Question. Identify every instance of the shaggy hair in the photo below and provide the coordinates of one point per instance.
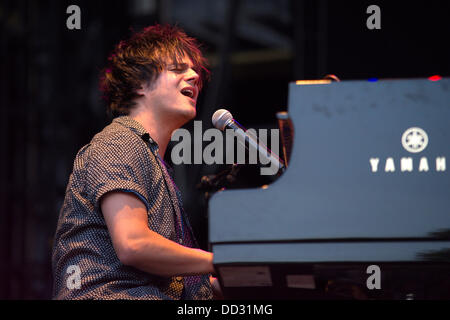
(139, 60)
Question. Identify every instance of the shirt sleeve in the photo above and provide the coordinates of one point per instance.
(119, 164)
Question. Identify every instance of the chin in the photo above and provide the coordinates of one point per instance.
(191, 112)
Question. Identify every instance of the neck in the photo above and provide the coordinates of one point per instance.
(158, 130)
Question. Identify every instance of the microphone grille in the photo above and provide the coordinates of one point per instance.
(220, 118)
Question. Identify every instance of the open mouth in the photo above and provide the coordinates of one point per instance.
(188, 92)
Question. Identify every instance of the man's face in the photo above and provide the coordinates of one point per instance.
(174, 93)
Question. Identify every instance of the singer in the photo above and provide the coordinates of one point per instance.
(122, 232)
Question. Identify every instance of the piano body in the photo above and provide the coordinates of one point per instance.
(363, 209)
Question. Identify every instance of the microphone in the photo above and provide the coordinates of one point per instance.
(222, 119)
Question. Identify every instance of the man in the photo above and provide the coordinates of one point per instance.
(122, 232)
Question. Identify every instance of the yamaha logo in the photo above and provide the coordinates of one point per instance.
(414, 140)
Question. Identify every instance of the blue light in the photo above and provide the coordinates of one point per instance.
(372, 79)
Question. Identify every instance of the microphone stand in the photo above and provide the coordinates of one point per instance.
(214, 182)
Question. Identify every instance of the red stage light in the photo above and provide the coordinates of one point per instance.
(435, 78)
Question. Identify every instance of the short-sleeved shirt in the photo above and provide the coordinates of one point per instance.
(122, 157)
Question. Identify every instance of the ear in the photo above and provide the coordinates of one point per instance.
(142, 90)
(145, 88)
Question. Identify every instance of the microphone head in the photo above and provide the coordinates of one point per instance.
(220, 118)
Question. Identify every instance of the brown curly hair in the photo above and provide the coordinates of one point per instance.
(140, 59)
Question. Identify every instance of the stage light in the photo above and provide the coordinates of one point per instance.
(306, 82)
(435, 78)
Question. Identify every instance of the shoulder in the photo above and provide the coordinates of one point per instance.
(116, 159)
(116, 134)
(115, 146)
(117, 141)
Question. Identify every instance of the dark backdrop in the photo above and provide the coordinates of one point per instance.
(50, 105)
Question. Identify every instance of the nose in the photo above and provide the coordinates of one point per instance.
(192, 77)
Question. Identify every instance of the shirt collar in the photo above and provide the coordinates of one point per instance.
(136, 127)
(139, 129)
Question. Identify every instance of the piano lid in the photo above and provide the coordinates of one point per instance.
(369, 161)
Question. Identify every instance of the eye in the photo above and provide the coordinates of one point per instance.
(178, 68)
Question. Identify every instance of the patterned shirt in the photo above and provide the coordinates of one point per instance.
(122, 157)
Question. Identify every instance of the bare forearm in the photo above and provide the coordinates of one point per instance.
(158, 255)
(138, 246)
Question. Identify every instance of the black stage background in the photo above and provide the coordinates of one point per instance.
(50, 105)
